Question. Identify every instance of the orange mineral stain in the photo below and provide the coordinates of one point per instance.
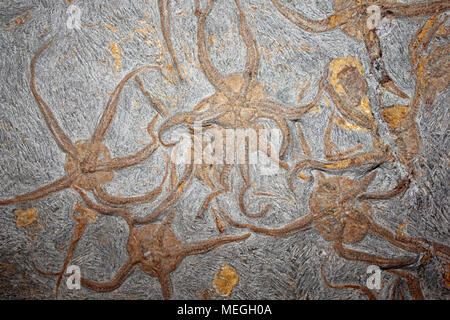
(225, 280)
(400, 229)
(20, 20)
(344, 124)
(110, 27)
(26, 217)
(337, 65)
(116, 52)
(394, 115)
(446, 275)
(86, 213)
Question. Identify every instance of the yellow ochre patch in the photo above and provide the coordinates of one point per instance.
(225, 280)
(25, 217)
(337, 65)
(394, 115)
(116, 52)
(344, 124)
(364, 106)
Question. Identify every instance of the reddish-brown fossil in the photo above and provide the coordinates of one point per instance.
(156, 250)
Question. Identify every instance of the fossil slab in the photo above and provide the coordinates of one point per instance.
(101, 102)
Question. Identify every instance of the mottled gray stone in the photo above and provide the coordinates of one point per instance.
(76, 89)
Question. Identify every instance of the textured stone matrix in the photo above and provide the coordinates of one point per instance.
(98, 98)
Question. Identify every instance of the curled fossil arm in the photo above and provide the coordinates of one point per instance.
(147, 197)
(363, 289)
(298, 225)
(109, 114)
(58, 185)
(316, 26)
(58, 134)
(212, 74)
(424, 8)
(124, 272)
(164, 15)
(170, 199)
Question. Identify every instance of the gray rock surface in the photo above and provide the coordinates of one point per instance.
(77, 73)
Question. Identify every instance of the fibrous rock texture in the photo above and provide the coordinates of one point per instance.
(216, 149)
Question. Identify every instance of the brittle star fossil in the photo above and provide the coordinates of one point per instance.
(430, 80)
(341, 218)
(339, 209)
(88, 163)
(239, 101)
(85, 216)
(352, 17)
(349, 91)
(156, 250)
